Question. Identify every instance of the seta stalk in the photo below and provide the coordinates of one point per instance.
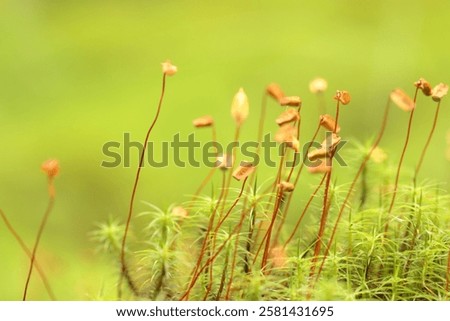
(168, 70)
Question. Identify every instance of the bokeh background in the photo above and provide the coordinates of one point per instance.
(77, 74)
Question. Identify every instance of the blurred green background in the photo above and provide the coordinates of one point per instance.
(76, 74)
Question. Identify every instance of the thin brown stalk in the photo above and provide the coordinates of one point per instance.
(269, 231)
(297, 178)
(311, 285)
(425, 148)
(305, 209)
(399, 167)
(206, 265)
(262, 118)
(219, 225)
(209, 262)
(27, 251)
(212, 170)
(214, 237)
(353, 184)
(283, 213)
(273, 186)
(213, 257)
(233, 263)
(325, 208)
(323, 221)
(277, 180)
(267, 237)
(51, 202)
(124, 268)
(208, 230)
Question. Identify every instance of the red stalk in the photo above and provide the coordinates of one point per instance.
(51, 202)
(397, 176)
(124, 272)
(422, 155)
(352, 186)
(325, 208)
(28, 252)
(211, 259)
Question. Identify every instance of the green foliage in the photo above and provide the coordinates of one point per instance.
(409, 263)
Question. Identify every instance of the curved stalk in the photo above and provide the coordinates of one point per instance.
(124, 268)
(51, 202)
(269, 231)
(29, 254)
(425, 148)
(397, 175)
(212, 258)
(233, 264)
(208, 232)
(305, 209)
(325, 208)
(352, 186)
